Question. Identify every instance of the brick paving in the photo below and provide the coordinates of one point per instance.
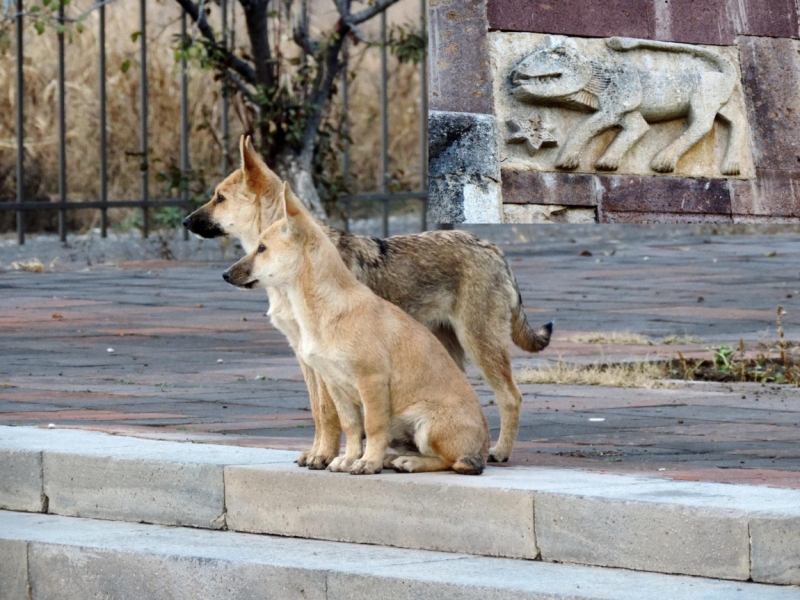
(195, 359)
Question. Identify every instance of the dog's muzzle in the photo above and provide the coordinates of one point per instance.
(199, 224)
(229, 277)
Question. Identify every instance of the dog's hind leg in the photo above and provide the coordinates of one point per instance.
(487, 347)
(418, 464)
(445, 334)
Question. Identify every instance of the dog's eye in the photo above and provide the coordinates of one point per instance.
(262, 248)
(220, 198)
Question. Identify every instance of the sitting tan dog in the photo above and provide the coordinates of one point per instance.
(461, 288)
(371, 355)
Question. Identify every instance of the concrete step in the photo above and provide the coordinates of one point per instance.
(640, 523)
(45, 557)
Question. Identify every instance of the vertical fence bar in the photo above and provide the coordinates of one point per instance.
(304, 25)
(346, 127)
(423, 119)
(62, 131)
(184, 124)
(143, 124)
(384, 125)
(103, 139)
(20, 129)
(226, 142)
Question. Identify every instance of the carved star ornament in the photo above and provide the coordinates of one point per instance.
(531, 132)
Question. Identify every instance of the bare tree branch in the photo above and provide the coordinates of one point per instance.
(368, 13)
(328, 67)
(242, 67)
(303, 39)
(240, 86)
(256, 15)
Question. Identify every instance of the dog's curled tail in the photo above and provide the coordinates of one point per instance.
(469, 465)
(523, 335)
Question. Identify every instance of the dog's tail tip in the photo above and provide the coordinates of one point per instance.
(527, 338)
(469, 465)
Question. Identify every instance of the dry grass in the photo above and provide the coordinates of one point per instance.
(82, 118)
(681, 340)
(624, 338)
(644, 374)
(33, 265)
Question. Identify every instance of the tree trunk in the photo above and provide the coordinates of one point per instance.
(297, 172)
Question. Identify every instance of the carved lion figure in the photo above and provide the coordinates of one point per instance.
(623, 96)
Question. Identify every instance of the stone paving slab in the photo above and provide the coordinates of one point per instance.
(705, 529)
(80, 558)
(169, 324)
(87, 474)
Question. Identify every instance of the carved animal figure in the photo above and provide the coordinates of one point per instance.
(620, 95)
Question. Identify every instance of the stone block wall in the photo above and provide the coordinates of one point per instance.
(615, 111)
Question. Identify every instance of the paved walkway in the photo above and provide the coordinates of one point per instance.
(194, 358)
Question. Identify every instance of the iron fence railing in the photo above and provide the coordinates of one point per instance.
(22, 206)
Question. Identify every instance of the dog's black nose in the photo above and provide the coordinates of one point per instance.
(226, 275)
(187, 221)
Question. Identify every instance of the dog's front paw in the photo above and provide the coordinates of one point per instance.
(336, 464)
(366, 467)
(303, 459)
(319, 462)
(498, 454)
(341, 464)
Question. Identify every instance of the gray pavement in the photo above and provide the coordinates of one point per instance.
(170, 324)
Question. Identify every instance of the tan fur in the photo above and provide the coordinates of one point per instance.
(459, 287)
(371, 355)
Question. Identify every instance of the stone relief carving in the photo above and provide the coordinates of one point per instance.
(608, 94)
(531, 132)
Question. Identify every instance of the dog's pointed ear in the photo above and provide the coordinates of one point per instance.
(253, 168)
(294, 212)
(292, 207)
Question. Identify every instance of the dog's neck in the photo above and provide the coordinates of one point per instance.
(324, 290)
(264, 215)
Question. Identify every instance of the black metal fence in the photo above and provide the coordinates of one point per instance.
(146, 202)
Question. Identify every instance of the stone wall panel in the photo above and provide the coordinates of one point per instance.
(665, 194)
(594, 18)
(632, 165)
(536, 187)
(774, 193)
(771, 78)
(458, 61)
